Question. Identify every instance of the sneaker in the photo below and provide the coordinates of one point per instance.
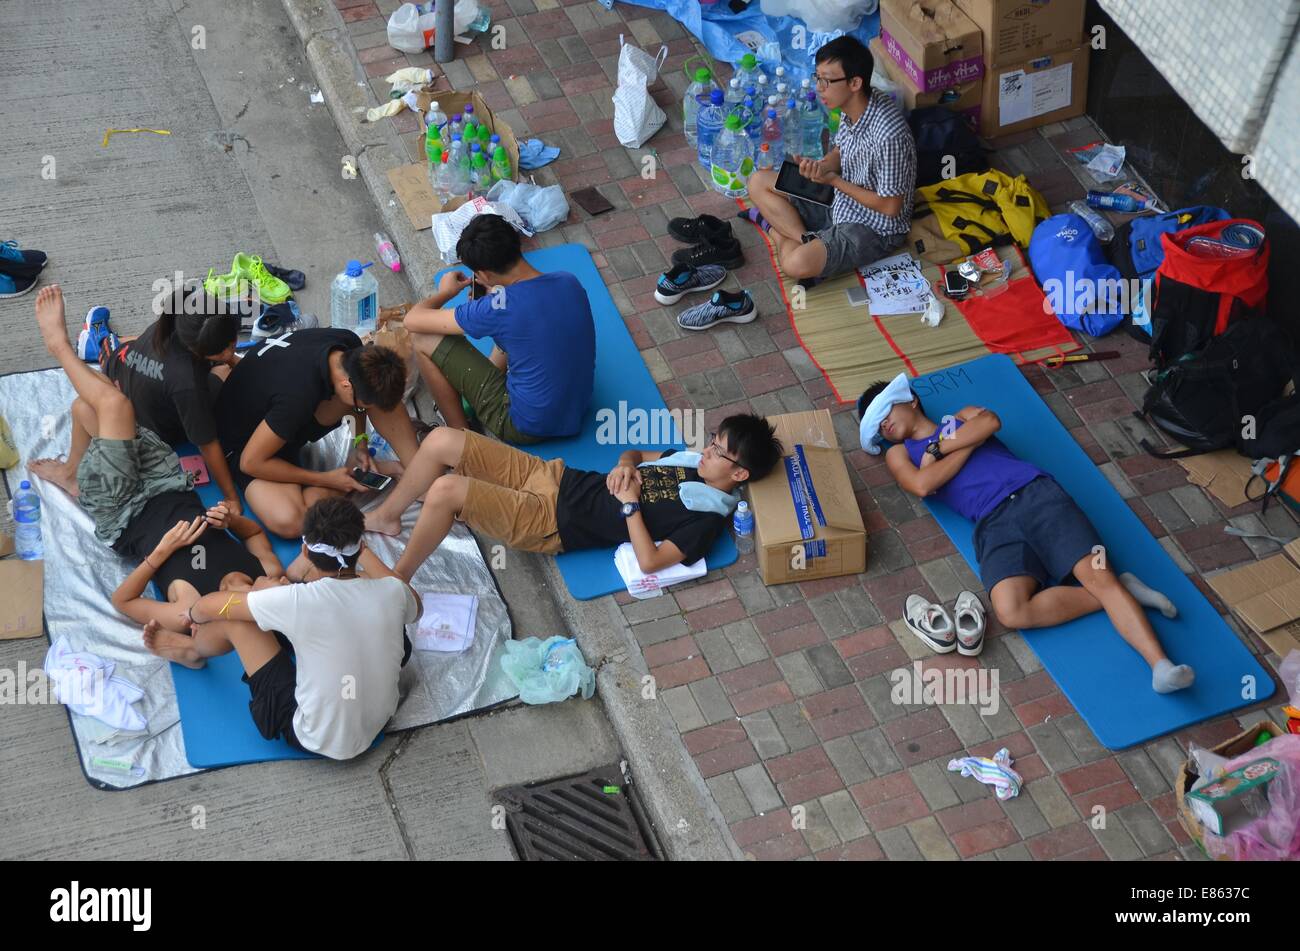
(295, 279)
(968, 615)
(279, 319)
(682, 280)
(226, 287)
(96, 337)
(724, 307)
(270, 288)
(15, 286)
(695, 230)
(17, 263)
(930, 622)
(727, 253)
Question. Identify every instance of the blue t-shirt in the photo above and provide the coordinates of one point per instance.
(545, 326)
(990, 474)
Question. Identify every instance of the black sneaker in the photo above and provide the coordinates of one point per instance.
(295, 279)
(697, 230)
(728, 254)
(20, 264)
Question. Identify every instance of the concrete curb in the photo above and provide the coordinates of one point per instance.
(689, 822)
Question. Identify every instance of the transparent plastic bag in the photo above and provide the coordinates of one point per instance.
(412, 27)
(547, 671)
(540, 207)
(1275, 835)
(636, 115)
(822, 16)
(1290, 674)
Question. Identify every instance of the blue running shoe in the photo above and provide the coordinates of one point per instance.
(683, 279)
(96, 337)
(724, 307)
(19, 264)
(15, 286)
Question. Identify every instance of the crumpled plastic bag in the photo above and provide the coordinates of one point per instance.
(448, 225)
(636, 115)
(541, 207)
(1290, 674)
(823, 16)
(547, 671)
(411, 29)
(1274, 836)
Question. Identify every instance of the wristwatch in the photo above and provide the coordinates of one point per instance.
(629, 508)
(934, 450)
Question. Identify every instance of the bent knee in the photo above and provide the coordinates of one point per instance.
(1011, 614)
(285, 523)
(763, 179)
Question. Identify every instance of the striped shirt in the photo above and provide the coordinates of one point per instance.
(876, 152)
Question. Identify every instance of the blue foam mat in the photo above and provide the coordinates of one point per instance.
(1104, 678)
(621, 376)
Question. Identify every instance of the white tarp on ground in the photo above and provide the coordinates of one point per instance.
(1277, 156)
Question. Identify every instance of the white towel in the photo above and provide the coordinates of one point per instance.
(448, 621)
(85, 683)
(899, 390)
(641, 585)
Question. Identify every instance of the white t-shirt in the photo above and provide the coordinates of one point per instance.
(347, 637)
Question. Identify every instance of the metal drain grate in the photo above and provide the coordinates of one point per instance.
(576, 819)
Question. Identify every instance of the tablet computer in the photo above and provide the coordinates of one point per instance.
(790, 182)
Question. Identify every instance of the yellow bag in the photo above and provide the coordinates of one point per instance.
(8, 451)
(983, 209)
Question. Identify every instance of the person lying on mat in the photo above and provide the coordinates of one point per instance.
(347, 632)
(293, 390)
(166, 373)
(679, 501)
(1030, 537)
(538, 381)
(871, 167)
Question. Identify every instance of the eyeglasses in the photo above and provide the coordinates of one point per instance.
(713, 448)
(823, 82)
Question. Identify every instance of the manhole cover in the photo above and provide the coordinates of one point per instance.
(592, 817)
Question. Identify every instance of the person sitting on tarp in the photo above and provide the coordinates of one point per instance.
(295, 389)
(538, 381)
(1030, 537)
(346, 630)
(679, 501)
(872, 169)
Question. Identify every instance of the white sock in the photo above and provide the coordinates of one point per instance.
(1166, 678)
(1148, 597)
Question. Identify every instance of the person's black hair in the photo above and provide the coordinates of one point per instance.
(855, 59)
(871, 392)
(378, 375)
(338, 523)
(489, 243)
(752, 440)
(198, 320)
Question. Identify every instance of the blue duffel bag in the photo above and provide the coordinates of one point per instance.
(1086, 292)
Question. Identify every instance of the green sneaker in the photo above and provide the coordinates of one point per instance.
(225, 286)
(270, 289)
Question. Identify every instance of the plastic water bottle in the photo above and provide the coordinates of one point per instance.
(751, 118)
(743, 525)
(792, 128)
(709, 124)
(1114, 202)
(763, 87)
(1096, 221)
(480, 176)
(475, 153)
(773, 136)
(432, 143)
(353, 299)
(501, 171)
(379, 448)
(696, 95)
(436, 118)
(459, 153)
(494, 141)
(468, 114)
(764, 158)
(747, 70)
(482, 21)
(387, 253)
(459, 179)
(455, 127)
(735, 95)
(813, 122)
(27, 516)
(778, 77)
(833, 123)
(442, 176)
(733, 160)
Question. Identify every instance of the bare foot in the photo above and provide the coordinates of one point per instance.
(381, 525)
(50, 318)
(172, 646)
(57, 472)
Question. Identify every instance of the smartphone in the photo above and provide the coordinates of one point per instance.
(372, 480)
(477, 290)
(955, 285)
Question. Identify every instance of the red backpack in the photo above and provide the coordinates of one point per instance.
(1212, 275)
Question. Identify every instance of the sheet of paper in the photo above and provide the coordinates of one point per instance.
(1013, 97)
(1050, 89)
(895, 285)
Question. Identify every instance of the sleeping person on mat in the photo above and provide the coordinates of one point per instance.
(1030, 538)
(679, 500)
(346, 630)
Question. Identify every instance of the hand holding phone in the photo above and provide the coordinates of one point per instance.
(374, 481)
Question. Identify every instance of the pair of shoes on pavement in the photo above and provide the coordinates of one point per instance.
(19, 269)
(724, 307)
(963, 632)
(247, 270)
(711, 240)
(97, 341)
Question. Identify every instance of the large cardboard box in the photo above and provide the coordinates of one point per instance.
(807, 523)
(935, 43)
(1017, 30)
(1033, 93)
(411, 182)
(1239, 744)
(963, 98)
(22, 590)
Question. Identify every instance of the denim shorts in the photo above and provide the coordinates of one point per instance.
(848, 245)
(1036, 531)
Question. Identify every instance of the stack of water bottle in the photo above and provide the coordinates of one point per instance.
(753, 122)
(465, 157)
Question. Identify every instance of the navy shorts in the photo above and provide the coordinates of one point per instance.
(1036, 531)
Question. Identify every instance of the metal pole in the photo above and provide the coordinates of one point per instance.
(444, 47)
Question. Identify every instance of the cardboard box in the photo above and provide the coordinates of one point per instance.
(1017, 30)
(1239, 744)
(964, 97)
(1266, 595)
(1035, 92)
(807, 523)
(934, 43)
(22, 591)
(411, 182)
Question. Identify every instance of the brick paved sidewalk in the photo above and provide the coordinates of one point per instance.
(781, 694)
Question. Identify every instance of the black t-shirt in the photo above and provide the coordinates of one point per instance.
(282, 381)
(589, 517)
(222, 553)
(170, 393)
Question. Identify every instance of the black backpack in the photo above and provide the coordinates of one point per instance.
(1203, 399)
(1276, 429)
(940, 132)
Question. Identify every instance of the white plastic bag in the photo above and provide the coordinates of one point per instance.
(823, 16)
(448, 225)
(411, 28)
(636, 115)
(542, 208)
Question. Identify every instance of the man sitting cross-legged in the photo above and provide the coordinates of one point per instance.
(347, 630)
(1030, 537)
(680, 500)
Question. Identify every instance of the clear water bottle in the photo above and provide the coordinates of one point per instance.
(354, 297)
(379, 448)
(27, 518)
(1096, 220)
(482, 21)
(733, 160)
(709, 124)
(501, 165)
(1114, 202)
(468, 114)
(696, 95)
(387, 253)
(763, 86)
(459, 179)
(475, 153)
(432, 143)
(493, 143)
(748, 70)
(751, 117)
(792, 128)
(480, 176)
(764, 158)
(436, 118)
(735, 95)
(813, 123)
(742, 523)
(456, 126)
(459, 152)
(442, 177)
(773, 137)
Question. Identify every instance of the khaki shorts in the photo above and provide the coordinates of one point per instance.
(483, 385)
(117, 477)
(512, 495)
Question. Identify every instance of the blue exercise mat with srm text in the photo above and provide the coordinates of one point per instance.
(623, 390)
(1103, 677)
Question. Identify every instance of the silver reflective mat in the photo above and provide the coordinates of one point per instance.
(81, 575)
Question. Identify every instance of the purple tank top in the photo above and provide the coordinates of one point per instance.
(990, 474)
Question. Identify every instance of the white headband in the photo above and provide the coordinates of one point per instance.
(341, 554)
